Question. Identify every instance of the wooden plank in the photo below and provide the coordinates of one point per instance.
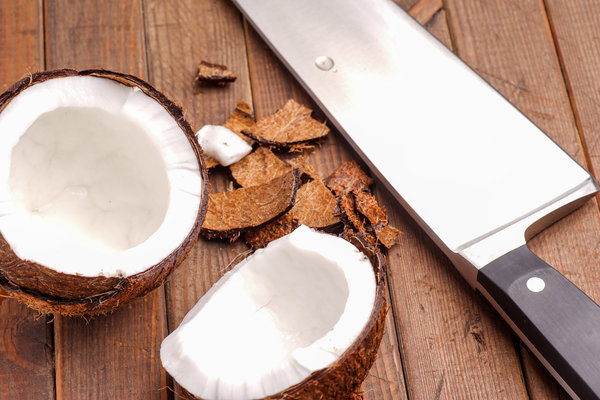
(576, 33)
(511, 46)
(114, 356)
(272, 85)
(26, 340)
(92, 35)
(180, 34)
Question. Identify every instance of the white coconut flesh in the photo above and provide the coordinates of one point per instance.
(222, 144)
(284, 312)
(96, 177)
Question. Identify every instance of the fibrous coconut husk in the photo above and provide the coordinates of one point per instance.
(348, 177)
(315, 205)
(359, 210)
(214, 74)
(49, 291)
(258, 167)
(261, 237)
(229, 213)
(343, 378)
(242, 118)
(305, 167)
(291, 127)
(367, 205)
(354, 227)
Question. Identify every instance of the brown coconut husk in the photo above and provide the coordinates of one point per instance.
(291, 127)
(230, 213)
(348, 177)
(261, 237)
(214, 74)
(258, 167)
(342, 379)
(49, 291)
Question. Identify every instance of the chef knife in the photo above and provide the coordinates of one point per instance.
(472, 170)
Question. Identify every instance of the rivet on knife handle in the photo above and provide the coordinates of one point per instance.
(556, 320)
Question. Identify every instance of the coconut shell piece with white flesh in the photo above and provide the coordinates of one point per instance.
(241, 118)
(102, 190)
(299, 319)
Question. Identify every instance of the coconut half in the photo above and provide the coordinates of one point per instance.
(299, 319)
(102, 190)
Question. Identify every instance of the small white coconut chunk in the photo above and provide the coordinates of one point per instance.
(222, 144)
(286, 311)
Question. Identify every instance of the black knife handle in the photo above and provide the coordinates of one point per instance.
(560, 323)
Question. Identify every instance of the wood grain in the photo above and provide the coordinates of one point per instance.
(114, 356)
(180, 34)
(26, 340)
(105, 35)
(511, 46)
(576, 34)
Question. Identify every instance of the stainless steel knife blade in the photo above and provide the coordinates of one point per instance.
(468, 166)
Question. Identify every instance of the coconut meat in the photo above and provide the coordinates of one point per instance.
(96, 177)
(222, 144)
(286, 311)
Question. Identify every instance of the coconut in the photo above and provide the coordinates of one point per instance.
(299, 319)
(102, 190)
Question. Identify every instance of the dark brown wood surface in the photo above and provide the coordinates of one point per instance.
(442, 340)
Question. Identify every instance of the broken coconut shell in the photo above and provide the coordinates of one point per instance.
(242, 118)
(291, 127)
(342, 379)
(348, 177)
(228, 213)
(353, 224)
(50, 291)
(315, 205)
(359, 210)
(214, 74)
(367, 205)
(260, 237)
(258, 167)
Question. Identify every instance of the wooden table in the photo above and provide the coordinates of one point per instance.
(442, 341)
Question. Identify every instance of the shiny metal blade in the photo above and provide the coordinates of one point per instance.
(472, 169)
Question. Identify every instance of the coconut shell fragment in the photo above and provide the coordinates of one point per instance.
(291, 127)
(229, 213)
(348, 177)
(214, 74)
(367, 205)
(258, 167)
(261, 237)
(242, 118)
(359, 210)
(315, 205)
